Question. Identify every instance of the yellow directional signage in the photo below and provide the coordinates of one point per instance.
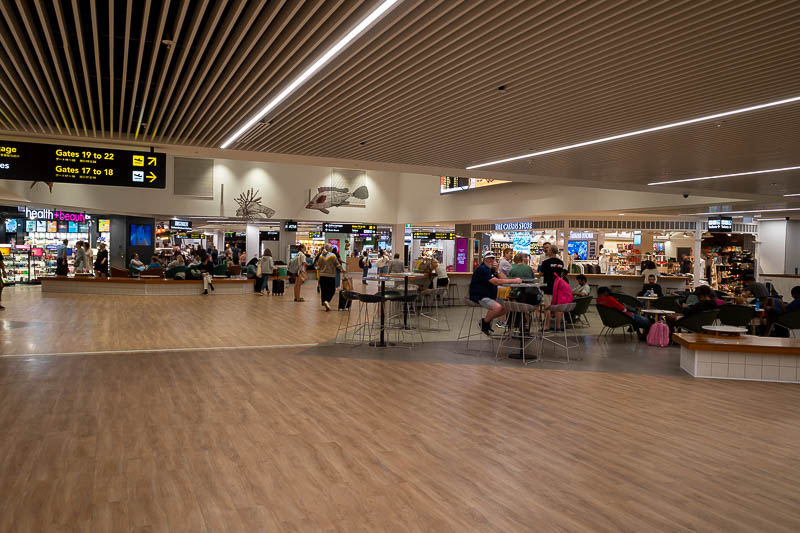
(74, 164)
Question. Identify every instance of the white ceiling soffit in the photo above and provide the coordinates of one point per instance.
(420, 87)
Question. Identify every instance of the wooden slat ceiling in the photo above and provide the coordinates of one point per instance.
(421, 86)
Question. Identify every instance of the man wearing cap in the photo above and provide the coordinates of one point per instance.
(483, 290)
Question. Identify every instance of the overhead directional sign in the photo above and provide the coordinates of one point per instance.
(61, 163)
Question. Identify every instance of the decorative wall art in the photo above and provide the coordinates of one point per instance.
(250, 206)
(348, 188)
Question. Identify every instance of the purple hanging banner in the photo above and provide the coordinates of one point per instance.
(461, 255)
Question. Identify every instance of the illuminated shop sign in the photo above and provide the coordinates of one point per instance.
(513, 226)
(180, 225)
(54, 214)
(722, 224)
(290, 225)
(581, 235)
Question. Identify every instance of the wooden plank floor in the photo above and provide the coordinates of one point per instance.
(278, 440)
(271, 440)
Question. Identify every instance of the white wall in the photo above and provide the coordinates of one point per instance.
(792, 248)
(772, 247)
(282, 187)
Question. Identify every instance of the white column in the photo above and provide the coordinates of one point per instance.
(698, 239)
(252, 241)
(398, 239)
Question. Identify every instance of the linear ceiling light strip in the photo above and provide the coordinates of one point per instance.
(640, 132)
(327, 56)
(727, 175)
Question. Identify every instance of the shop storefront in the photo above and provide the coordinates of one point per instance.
(31, 236)
(439, 245)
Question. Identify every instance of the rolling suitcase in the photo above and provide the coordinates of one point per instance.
(277, 286)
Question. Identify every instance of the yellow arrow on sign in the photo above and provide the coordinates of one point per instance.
(152, 177)
(151, 161)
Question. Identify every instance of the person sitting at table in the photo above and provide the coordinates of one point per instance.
(583, 288)
(756, 289)
(705, 302)
(651, 285)
(520, 269)
(794, 305)
(439, 272)
(136, 264)
(641, 323)
(178, 261)
(396, 265)
(154, 262)
(561, 297)
(483, 290)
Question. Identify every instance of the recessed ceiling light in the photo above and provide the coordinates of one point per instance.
(793, 194)
(327, 56)
(728, 175)
(640, 132)
(622, 214)
(767, 219)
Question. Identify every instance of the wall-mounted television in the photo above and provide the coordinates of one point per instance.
(579, 247)
(141, 235)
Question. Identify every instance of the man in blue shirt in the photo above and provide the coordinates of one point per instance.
(62, 268)
(794, 305)
(483, 290)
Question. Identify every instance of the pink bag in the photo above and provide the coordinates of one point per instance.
(658, 335)
(562, 294)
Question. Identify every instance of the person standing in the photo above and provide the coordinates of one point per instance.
(301, 274)
(88, 257)
(101, 263)
(382, 263)
(234, 254)
(80, 258)
(328, 265)
(549, 269)
(365, 265)
(62, 269)
(267, 264)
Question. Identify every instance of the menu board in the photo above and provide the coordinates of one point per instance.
(61, 163)
(103, 225)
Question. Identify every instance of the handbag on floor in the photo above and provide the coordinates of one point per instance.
(658, 335)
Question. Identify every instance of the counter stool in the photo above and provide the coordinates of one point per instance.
(367, 317)
(453, 294)
(344, 319)
(395, 321)
(555, 337)
(517, 314)
(469, 315)
(429, 301)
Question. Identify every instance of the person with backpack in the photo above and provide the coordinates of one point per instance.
(297, 267)
(328, 265)
(364, 264)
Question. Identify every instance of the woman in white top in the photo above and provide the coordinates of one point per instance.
(439, 274)
(88, 256)
(267, 266)
(649, 269)
(382, 263)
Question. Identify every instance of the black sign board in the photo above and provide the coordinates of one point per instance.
(720, 225)
(61, 163)
(349, 228)
(270, 235)
(438, 235)
(180, 225)
(314, 234)
(290, 225)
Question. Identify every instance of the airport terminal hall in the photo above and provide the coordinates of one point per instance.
(414, 266)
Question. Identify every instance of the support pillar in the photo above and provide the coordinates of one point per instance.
(698, 239)
(252, 243)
